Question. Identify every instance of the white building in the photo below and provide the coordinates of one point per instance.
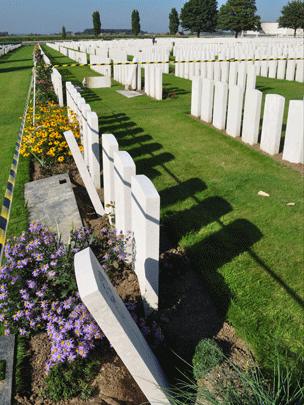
(272, 28)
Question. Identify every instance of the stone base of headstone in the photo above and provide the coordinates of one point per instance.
(129, 93)
(7, 353)
(52, 202)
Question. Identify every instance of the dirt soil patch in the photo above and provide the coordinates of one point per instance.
(186, 315)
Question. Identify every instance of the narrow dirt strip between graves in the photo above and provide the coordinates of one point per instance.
(9, 192)
(173, 62)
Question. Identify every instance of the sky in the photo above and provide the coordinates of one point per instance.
(48, 16)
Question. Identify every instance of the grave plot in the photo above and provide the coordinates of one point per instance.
(169, 186)
(50, 202)
(210, 205)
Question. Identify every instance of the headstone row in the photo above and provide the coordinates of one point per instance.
(237, 110)
(4, 49)
(89, 129)
(135, 204)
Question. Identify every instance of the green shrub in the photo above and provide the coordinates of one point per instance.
(71, 379)
(249, 387)
(207, 356)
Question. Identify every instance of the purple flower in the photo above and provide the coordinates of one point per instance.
(31, 284)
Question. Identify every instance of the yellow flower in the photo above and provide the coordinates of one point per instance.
(60, 159)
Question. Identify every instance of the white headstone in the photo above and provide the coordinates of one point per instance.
(158, 84)
(207, 100)
(242, 72)
(124, 170)
(251, 77)
(235, 109)
(94, 149)
(300, 71)
(196, 96)
(281, 72)
(252, 116)
(294, 138)
(85, 175)
(145, 227)
(272, 123)
(291, 69)
(233, 74)
(220, 105)
(113, 318)
(109, 147)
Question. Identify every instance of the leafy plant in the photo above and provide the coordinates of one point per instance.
(135, 22)
(247, 387)
(238, 16)
(207, 356)
(293, 15)
(199, 16)
(70, 380)
(173, 21)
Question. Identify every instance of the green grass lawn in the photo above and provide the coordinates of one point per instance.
(15, 73)
(248, 249)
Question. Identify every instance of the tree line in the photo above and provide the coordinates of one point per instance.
(199, 16)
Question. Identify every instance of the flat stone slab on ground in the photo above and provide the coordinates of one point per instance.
(129, 93)
(52, 202)
(7, 353)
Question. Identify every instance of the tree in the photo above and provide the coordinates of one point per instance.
(199, 16)
(238, 16)
(96, 23)
(173, 22)
(63, 32)
(135, 22)
(293, 15)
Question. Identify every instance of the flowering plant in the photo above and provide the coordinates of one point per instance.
(34, 281)
(45, 141)
(38, 291)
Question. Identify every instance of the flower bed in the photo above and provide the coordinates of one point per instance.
(38, 294)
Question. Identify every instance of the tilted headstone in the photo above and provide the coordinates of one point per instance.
(145, 210)
(220, 105)
(272, 123)
(109, 147)
(252, 116)
(235, 109)
(124, 170)
(85, 175)
(85, 108)
(294, 138)
(113, 318)
(207, 99)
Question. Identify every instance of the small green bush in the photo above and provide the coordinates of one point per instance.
(207, 356)
(69, 380)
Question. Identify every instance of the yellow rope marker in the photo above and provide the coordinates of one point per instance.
(173, 62)
(10, 186)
